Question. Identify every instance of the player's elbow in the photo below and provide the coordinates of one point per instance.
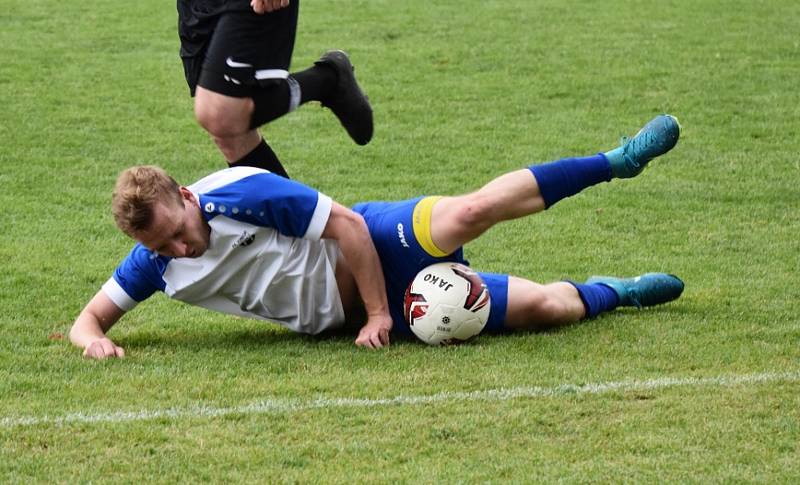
(345, 224)
(356, 222)
(360, 230)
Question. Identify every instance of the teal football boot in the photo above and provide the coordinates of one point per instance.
(642, 291)
(656, 138)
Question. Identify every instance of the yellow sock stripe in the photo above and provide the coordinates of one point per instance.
(422, 226)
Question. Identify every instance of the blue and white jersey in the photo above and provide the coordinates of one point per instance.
(265, 258)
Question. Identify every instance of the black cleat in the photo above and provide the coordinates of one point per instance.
(347, 101)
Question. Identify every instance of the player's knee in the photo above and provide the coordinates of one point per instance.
(545, 307)
(212, 120)
(220, 120)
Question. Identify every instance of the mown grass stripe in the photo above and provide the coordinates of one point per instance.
(289, 405)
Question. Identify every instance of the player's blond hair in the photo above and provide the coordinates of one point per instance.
(137, 191)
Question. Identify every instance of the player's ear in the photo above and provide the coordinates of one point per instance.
(187, 195)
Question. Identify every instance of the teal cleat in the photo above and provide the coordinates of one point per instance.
(656, 138)
(646, 290)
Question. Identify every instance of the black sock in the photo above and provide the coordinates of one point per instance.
(316, 82)
(272, 100)
(277, 97)
(262, 156)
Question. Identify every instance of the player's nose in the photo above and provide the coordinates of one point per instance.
(180, 249)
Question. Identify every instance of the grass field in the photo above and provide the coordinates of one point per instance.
(706, 389)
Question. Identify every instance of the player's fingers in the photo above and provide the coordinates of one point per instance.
(108, 348)
(94, 351)
(375, 340)
(119, 351)
(258, 7)
(277, 4)
(91, 351)
(365, 340)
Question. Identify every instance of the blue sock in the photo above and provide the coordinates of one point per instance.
(568, 176)
(597, 298)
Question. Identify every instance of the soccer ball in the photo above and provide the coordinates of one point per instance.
(447, 303)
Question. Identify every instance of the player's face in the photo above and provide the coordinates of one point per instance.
(178, 229)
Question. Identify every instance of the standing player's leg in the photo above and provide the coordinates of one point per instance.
(222, 110)
(241, 43)
(245, 83)
(225, 118)
(454, 221)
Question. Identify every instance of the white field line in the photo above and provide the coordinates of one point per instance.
(271, 406)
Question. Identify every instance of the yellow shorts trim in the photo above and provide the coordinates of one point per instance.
(422, 226)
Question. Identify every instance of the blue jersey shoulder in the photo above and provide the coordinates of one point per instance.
(140, 274)
(264, 199)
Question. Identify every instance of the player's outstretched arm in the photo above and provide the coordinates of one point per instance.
(89, 329)
(350, 230)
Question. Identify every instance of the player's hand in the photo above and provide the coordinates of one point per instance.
(266, 6)
(375, 334)
(103, 348)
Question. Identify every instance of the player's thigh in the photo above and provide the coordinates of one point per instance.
(249, 52)
(455, 221)
(196, 23)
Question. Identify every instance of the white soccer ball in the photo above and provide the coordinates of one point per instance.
(447, 303)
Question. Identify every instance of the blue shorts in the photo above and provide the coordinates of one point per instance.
(402, 256)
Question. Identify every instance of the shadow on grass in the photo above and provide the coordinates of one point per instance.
(226, 338)
(216, 337)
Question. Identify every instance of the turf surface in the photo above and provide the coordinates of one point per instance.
(462, 91)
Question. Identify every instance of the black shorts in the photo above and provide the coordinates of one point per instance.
(229, 49)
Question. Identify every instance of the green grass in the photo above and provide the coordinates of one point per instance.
(462, 91)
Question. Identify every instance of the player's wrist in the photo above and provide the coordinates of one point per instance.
(381, 318)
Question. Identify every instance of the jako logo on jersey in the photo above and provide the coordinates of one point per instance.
(401, 235)
(245, 239)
